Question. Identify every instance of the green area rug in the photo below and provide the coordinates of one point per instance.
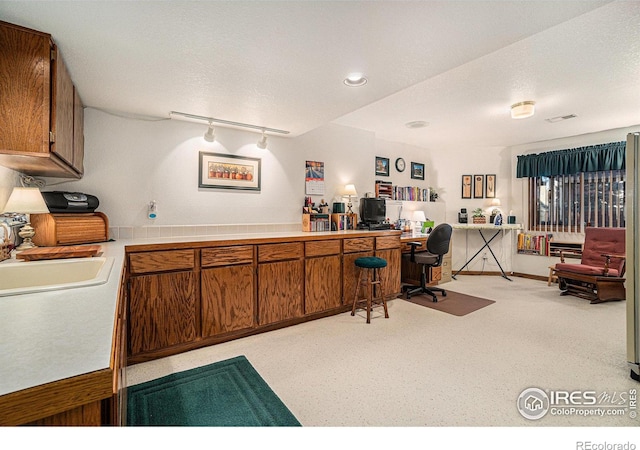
(226, 393)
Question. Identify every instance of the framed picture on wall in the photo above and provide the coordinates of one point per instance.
(490, 187)
(220, 171)
(382, 166)
(417, 171)
(466, 186)
(478, 186)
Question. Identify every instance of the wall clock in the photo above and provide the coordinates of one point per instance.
(400, 165)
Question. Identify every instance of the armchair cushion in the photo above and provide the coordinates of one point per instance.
(597, 271)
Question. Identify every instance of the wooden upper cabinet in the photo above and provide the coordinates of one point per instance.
(41, 116)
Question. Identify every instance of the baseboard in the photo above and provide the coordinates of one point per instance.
(499, 274)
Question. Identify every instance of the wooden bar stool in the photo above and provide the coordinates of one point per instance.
(370, 278)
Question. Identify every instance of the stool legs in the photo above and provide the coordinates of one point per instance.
(374, 281)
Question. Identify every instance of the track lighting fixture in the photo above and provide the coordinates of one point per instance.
(262, 143)
(210, 135)
(211, 120)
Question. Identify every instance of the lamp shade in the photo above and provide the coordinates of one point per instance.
(495, 202)
(350, 189)
(418, 216)
(26, 200)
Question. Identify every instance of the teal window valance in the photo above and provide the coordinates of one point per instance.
(594, 158)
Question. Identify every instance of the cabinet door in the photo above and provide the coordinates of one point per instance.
(24, 90)
(349, 274)
(322, 284)
(227, 299)
(78, 133)
(62, 109)
(391, 275)
(280, 291)
(162, 311)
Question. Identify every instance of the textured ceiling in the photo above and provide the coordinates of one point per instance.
(455, 64)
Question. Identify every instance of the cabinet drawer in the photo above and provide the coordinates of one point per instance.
(358, 245)
(279, 252)
(387, 242)
(227, 256)
(322, 248)
(161, 261)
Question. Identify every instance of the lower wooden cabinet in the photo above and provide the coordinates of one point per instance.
(321, 284)
(280, 291)
(192, 296)
(162, 311)
(228, 301)
(349, 275)
(391, 280)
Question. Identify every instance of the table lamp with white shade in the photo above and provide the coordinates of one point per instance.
(349, 191)
(418, 218)
(26, 200)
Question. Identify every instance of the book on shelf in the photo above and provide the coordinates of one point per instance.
(316, 222)
(534, 244)
(410, 193)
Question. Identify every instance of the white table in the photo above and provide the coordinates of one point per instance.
(487, 227)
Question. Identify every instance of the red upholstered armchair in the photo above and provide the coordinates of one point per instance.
(599, 276)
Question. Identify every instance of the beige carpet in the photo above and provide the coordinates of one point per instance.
(454, 303)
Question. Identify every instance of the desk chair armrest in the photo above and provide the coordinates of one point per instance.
(413, 246)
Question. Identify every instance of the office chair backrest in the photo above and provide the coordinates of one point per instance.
(438, 241)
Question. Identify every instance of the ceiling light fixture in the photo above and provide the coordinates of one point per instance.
(211, 120)
(523, 110)
(416, 124)
(262, 143)
(210, 135)
(355, 80)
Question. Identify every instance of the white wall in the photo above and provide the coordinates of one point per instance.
(8, 179)
(130, 162)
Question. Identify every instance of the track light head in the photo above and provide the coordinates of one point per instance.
(210, 135)
(262, 143)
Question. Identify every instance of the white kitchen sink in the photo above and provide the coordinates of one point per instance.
(25, 277)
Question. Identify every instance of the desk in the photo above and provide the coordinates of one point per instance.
(486, 227)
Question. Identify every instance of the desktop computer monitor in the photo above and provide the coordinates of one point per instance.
(373, 210)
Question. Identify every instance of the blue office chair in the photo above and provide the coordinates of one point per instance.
(437, 247)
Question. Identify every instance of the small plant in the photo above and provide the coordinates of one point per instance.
(478, 212)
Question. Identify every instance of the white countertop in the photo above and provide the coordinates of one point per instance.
(49, 336)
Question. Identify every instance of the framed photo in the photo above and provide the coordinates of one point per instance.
(478, 186)
(490, 187)
(220, 171)
(417, 171)
(382, 167)
(467, 182)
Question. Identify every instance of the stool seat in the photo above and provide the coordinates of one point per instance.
(371, 262)
(370, 278)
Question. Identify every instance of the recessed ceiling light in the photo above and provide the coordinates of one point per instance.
(355, 80)
(561, 118)
(416, 124)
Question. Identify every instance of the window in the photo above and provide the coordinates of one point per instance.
(575, 188)
(567, 203)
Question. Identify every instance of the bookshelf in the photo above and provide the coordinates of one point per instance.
(344, 221)
(316, 222)
(385, 189)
